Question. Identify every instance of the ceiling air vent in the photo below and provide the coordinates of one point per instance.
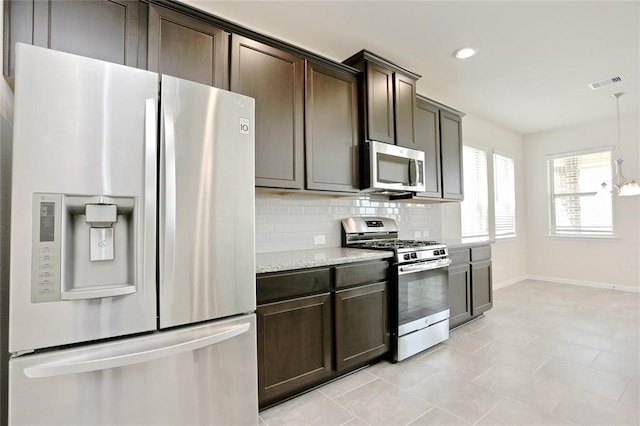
(608, 82)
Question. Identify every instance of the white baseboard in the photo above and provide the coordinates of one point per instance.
(509, 282)
(584, 283)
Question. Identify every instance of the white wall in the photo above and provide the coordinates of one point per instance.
(597, 262)
(508, 256)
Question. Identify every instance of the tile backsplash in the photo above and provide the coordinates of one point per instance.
(290, 221)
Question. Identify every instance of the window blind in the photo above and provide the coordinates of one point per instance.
(504, 196)
(475, 207)
(575, 206)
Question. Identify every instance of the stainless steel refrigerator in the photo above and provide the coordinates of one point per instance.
(132, 279)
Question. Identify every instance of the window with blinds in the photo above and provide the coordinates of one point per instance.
(575, 206)
(504, 189)
(475, 207)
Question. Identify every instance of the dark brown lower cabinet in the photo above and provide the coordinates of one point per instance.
(294, 344)
(482, 295)
(319, 323)
(361, 324)
(470, 284)
(459, 294)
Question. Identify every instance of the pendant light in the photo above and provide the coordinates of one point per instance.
(621, 186)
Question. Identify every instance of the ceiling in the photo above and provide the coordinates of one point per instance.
(532, 70)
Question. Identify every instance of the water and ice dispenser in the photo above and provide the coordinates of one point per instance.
(83, 247)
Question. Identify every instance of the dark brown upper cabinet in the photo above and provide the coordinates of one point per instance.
(110, 30)
(405, 111)
(331, 129)
(428, 140)
(389, 102)
(451, 149)
(439, 135)
(188, 48)
(275, 79)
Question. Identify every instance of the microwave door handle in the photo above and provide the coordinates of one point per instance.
(413, 171)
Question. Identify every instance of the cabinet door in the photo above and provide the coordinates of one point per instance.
(405, 111)
(331, 126)
(428, 140)
(275, 79)
(459, 294)
(294, 345)
(188, 48)
(362, 330)
(482, 288)
(100, 29)
(451, 148)
(380, 115)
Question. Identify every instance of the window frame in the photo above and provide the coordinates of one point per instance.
(553, 231)
(514, 232)
(486, 234)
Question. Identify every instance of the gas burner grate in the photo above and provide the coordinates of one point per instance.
(395, 244)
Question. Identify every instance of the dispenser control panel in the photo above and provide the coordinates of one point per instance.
(46, 249)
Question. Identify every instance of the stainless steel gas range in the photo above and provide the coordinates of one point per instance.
(419, 304)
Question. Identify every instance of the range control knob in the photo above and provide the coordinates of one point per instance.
(407, 257)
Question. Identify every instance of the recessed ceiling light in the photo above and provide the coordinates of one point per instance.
(465, 52)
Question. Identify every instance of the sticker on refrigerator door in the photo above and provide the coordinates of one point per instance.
(244, 126)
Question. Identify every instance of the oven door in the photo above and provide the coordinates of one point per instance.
(423, 295)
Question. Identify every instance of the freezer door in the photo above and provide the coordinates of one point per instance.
(83, 213)
(203, 375)
(207, 203)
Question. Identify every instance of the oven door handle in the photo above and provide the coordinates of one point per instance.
(423, 266)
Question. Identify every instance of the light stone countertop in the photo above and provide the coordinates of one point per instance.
(458, 244)
(301, 259)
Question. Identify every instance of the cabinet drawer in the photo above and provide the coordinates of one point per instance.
(459, 256)
(480, 253)
(361, 273)
(292, 284)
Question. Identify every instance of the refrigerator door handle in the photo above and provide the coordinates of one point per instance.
(168, 208)
(115, 360)
(150, 188)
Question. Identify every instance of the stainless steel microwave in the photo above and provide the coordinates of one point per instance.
(390, 168)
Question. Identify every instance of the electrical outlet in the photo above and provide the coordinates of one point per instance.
(318, 239)
(425, 233)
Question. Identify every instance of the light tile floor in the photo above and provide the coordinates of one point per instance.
(546, 354)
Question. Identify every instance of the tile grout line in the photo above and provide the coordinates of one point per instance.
(490, 410)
